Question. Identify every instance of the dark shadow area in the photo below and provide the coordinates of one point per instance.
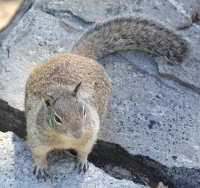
(12, 119)
(144, 170)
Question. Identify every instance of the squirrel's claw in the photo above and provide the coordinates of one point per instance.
(86, 166)
(41, 173)
(81, 165)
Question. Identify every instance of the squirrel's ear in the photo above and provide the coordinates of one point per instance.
(49, 100)
(74, 93)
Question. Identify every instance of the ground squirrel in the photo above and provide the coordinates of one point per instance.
(66, 96)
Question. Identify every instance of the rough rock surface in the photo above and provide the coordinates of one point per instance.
(154, 110)
(16, 169)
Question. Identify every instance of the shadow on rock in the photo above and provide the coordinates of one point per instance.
(113, 159)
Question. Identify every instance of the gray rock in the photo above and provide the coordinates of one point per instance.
(92, 11)
(188, 73)
(16, 169)
(148, 114)
(190, 9)
(41, 39)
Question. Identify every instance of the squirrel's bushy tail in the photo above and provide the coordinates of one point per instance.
(128, 33)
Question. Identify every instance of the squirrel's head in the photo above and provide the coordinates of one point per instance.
(65, 112)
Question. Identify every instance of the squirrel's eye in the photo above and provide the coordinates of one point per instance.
(57, 119)
(84, 112)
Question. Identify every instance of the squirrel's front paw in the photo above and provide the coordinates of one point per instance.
(41, 172)
(81, 164)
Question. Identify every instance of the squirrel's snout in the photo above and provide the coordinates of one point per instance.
(78, 134)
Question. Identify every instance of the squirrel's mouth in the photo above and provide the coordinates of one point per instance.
(78, 136)
(75, 136)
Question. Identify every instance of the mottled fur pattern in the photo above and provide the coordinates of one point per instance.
(50, 96)
(128, 33)
(66, 96)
